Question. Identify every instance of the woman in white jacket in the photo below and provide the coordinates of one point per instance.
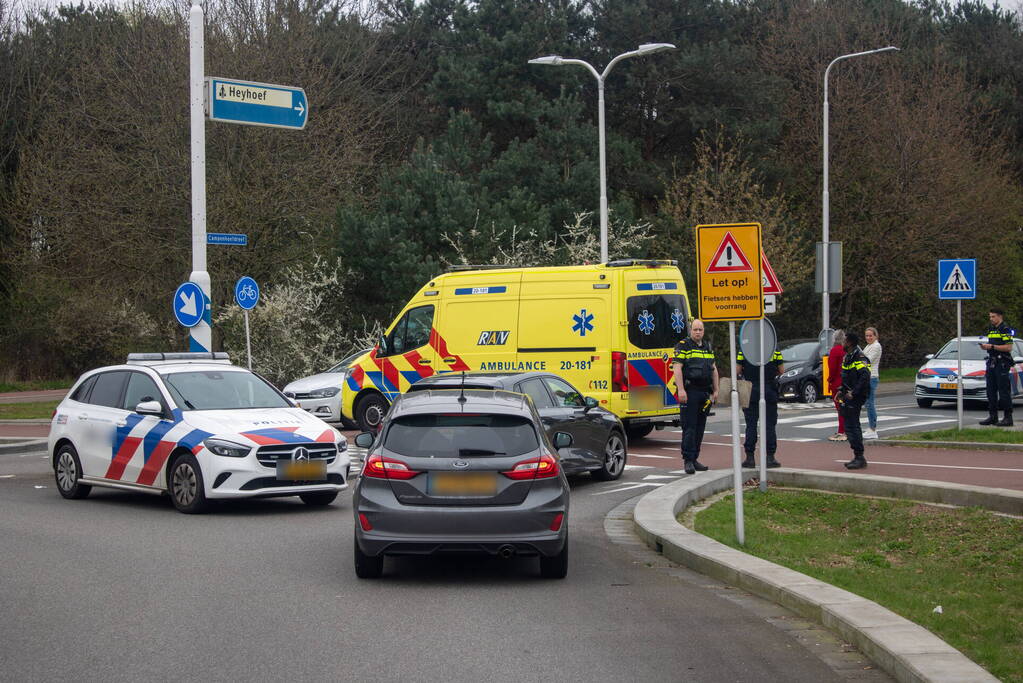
(873, 353)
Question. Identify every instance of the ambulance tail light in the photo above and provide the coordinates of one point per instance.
(619, 372)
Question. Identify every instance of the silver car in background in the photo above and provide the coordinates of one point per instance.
(462, 471)
(320, 394)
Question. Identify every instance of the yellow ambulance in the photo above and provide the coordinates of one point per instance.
(609, 329)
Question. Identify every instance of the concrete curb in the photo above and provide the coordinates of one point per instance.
(25, 422)
(961, 445)
(27, 446)
(906, 651)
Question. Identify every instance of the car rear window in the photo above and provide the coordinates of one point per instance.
(461, 436)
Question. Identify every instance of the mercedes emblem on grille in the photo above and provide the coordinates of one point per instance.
(460, 464)
(300, 454)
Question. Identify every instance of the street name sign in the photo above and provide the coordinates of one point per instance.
(189, 304)
(957, 278)
(256, 104)
(729, 263)
(227, 238)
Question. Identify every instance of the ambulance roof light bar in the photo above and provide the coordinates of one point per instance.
(464, 267)
(649, 263)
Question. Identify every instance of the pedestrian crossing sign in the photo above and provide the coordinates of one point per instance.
(957, 278)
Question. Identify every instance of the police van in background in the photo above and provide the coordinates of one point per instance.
(609, 329)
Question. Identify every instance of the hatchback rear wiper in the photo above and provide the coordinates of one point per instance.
(469, 452)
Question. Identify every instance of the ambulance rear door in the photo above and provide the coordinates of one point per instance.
(480, 321)
(658, 318)
(565, 327)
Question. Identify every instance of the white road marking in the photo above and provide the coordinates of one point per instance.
(944, 467)
(659, 476)
(6, 476)
(628, 487)
(806, 440)
(648, 455)
(916, 424)
(638, 467)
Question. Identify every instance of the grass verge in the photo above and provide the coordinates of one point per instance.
(36, 385)
(27, 411)
(978, 435)
(907, 556)
(898, 374)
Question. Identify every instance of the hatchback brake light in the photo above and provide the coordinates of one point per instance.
(619, 375)
(379, 467)
(543, 467)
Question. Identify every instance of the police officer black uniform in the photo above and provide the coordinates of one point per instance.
(852, 395)
(696, 378)
(751, 372)
(999, 363)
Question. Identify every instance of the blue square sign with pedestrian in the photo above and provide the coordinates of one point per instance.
(957, 278)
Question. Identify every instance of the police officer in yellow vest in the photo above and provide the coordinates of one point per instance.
(852, 395)
(696, 377)
(999, 362)
(774, 368)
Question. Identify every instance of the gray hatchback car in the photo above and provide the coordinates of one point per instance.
(462, 471)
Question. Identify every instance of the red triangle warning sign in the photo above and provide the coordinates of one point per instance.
(770, 280)
(729, 258)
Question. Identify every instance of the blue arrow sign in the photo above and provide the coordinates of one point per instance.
(227, 238)
(246, 292)
(957, 278)
(189, 304)
(256, 104)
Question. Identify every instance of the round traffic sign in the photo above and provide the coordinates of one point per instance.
(189, 304)
(749, 341)
(825, 339)
(246, 292)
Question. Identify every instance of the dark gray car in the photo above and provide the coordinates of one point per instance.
(598, 446)
(462, 471)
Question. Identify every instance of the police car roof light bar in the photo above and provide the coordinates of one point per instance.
(183, 356)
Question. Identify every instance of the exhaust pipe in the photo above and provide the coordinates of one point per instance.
(506, 551)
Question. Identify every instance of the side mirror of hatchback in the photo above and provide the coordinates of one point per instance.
(562, 440)
(590, 403)
(149, 408)
(364, 440)
(929, 356)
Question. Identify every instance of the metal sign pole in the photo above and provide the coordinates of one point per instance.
(248, 346)
(200, 336)
(762, 406)
(740, 531)
(959, 363)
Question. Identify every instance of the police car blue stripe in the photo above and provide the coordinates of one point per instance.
(123, 432)
(649, 286)
(153, 438)
(280, 434)
(481, 290)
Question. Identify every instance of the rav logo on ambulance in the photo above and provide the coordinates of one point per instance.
(493, 338)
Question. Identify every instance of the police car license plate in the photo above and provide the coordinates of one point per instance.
(462, 484)
(301, 471)
(947, 385)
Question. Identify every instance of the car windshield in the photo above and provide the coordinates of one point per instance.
(971, 351)
(461, 435)
(799, 352)
(222, 390)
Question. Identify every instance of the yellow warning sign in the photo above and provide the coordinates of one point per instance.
(731, 279)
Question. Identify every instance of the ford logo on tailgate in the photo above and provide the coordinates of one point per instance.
(460, 464)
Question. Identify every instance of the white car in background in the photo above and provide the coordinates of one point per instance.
(195, 427)
(320, 394)
(936, 380)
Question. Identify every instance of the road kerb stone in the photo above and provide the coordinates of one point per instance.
(26, 446)
(903, 649)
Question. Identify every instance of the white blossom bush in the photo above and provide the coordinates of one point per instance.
(300, 326)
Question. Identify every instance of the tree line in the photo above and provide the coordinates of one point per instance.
(431, 141)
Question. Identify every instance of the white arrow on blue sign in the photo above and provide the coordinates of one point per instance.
(189, 304)
(246, 292)
(256, 104)
(957, 278)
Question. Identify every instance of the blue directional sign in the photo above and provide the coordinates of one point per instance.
(256, 104)
(227, 238)
(246, 292)
(189, 304)
(957, 278)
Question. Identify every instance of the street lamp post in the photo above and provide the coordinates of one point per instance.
(554, 60)
(826, 201)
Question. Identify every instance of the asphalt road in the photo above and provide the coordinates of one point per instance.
(119, 586)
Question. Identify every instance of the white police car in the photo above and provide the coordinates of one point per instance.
(936, 379)
(196, 427)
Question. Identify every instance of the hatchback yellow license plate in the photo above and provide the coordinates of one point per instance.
(302, 471)
(947, 385)
(463, 484)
